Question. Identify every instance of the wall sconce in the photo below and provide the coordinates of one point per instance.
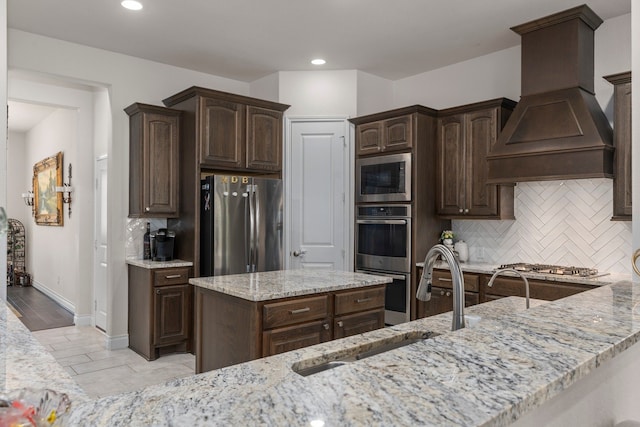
(28, 198)
(66, 191)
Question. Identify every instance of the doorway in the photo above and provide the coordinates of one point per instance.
(318, 193)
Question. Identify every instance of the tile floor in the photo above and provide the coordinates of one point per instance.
(101, 372)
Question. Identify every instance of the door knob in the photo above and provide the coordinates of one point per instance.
(298, 253)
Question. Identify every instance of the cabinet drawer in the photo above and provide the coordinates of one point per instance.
(295, 311)
(359, 323)
(442, 279)
(549, 291)
(280, 340)
(360, 300)
(171, 276)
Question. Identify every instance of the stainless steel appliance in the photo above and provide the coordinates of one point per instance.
(384, 178)
(397, 297)
(383, 247)
(383, 237)
(241, 225)
(559, 270)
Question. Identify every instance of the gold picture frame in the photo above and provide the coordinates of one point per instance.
(47, 175)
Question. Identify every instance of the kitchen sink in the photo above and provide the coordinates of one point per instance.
(363, 352)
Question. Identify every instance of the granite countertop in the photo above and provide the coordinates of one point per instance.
(287, 283)
(24, 362)
(151, 265)
(485, 268)
(490, 374)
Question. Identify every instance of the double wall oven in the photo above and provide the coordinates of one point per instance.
(383, 229)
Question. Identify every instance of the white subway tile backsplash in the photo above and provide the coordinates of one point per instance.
(557, 222)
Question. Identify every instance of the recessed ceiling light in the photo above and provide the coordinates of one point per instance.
(318, 61)
(131, 4)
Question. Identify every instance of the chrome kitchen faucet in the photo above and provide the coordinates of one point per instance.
(513, 270)
(424, 289)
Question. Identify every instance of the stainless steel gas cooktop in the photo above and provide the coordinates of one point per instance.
(559, 270)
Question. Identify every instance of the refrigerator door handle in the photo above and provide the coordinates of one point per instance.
(248, 229)
(253, 217)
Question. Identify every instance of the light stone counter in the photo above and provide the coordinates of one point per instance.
(287, 283)
(24, 362)
(151, 265)
(488, 375)
(483, 268)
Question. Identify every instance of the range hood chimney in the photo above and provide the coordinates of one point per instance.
(557, 130)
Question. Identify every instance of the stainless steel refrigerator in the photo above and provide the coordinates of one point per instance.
(241, 225)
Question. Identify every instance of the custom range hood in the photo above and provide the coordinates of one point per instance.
(557, 130)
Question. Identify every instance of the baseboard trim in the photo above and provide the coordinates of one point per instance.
(68, 305)
(85, 320)
(117, 343)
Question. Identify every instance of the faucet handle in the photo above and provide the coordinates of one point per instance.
(424, 288)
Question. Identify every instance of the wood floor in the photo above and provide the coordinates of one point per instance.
(36, 310)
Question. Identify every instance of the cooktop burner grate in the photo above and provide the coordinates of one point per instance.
(559, 270)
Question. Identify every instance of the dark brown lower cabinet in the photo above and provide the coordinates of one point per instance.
(231, 330)
(160, 311)
(477, 291)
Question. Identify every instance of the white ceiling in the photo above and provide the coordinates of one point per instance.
(24, 116)
(249, 39)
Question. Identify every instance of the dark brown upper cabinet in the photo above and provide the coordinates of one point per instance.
(465, 137)
(153, 161)
(231, 132)
(383, 136)
(622, 143)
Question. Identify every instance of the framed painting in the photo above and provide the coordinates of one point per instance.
(47, 175)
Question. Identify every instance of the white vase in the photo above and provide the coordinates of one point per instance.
(463, 250)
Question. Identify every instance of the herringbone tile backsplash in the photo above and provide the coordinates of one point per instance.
(557, 222)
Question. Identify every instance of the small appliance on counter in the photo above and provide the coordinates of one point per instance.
(162, 244)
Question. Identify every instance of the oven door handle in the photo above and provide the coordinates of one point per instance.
(393, 276)
(382, 221)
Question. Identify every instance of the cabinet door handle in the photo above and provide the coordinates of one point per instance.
(147, 209)
(441, 293)
(326, 326)
(300, 310)
(172, 276)
(442, 279)
(157, 291)
(461, 210)
(448, 294)
(361, 300)
(340, 324)
(466, 211)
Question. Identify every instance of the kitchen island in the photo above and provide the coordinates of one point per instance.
(244, 317)
(513, 361)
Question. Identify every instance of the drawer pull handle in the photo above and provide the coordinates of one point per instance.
(340, 324)
(326, 326)
(360, 300)
(172, 276)
(442, 279)
(157, 291)
(300, 310)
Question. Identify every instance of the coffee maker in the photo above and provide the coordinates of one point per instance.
(162, 244)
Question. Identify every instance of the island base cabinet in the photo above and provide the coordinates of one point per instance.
(354, 324)
(231, 330)
(227, 330)
(281, 340)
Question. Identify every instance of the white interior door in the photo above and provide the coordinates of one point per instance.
(100, 256)
(318, 182)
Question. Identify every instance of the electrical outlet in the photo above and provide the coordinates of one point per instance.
(480, 253)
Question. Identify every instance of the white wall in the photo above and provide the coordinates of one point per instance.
(19, 176)
(319, 93)
(375, 94)
(3, 147)
(267, 88)
(128, 80)
(52, 255)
